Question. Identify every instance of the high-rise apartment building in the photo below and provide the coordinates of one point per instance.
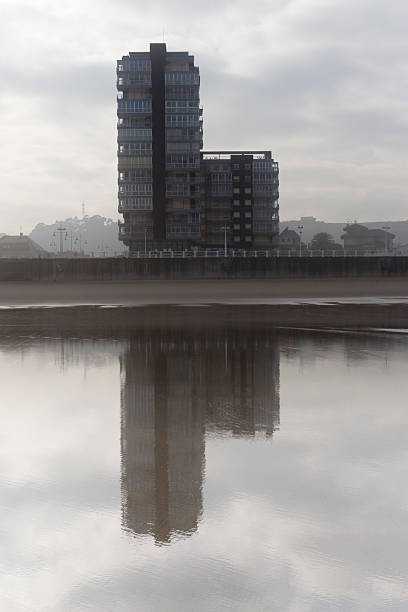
(171, 195)
(159, 142)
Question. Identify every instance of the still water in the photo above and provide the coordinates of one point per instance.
(206, 469)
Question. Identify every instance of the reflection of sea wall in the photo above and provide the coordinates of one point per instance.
(75, 352)
(174, 386)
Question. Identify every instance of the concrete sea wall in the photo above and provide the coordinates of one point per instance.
(125, 269)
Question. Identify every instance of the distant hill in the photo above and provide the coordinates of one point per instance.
(91, 235)
(312, 226)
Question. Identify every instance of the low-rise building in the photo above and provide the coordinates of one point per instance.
(20, 247)
(358, 237)
(289, 240)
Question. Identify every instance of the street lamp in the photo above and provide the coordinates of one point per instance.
(225, 227)
(61, 229)
(300, 228)
(385, 228)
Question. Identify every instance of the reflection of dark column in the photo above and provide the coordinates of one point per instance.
(161, 448)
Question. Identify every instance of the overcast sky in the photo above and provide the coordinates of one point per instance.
(323, 83)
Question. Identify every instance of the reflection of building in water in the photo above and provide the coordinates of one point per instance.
(162, 441)
(242, 383)
(175, 386)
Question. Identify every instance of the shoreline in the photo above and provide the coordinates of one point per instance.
(101, 308)
(201, 292)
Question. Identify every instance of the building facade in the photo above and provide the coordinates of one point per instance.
(358, 237)
(240, 192)
(171, 195)
(159, 142)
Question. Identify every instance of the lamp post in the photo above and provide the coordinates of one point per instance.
(145, 240)
(78, 243)
(60, 229)
(300, 228)
(225, 227)
(385, 228)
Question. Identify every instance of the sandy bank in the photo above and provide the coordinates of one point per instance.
(137, 293)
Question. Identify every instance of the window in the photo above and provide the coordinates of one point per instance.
(236, 189)
(247, 190)
(120, 67)
(247, 178)
(235, 177)
(236, 202)
(136, 148)
(134, 106)
(235, 166)
(248, 238)
(247, 226)
(248, 215)
(247, 166)
(248, 202)
(236, 226)
(220, 177)
(236, 215)
(236, 238)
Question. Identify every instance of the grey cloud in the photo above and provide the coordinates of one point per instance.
(321, 84)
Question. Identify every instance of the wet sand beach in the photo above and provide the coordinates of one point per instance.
(189, 292)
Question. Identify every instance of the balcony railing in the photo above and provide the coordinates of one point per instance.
(182, 165)
(177, 138)
(183, 96)
(135, 207)
(173, 230)
(220, 189)
(133, 83)
(183, 121)
(175, 77)
(133, 107)
(177, 191)
(213, 206)
(138, 134)
(129, 230)
(182, 110)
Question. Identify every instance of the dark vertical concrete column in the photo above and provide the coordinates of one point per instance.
(158, 62)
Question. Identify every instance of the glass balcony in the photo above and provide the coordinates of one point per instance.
(190, 180)
(134, 79)
(132, 230)
(125, 206)
(177, 191)
(134, 107)
(183, 165)
(137, 134)
(183, 121)
(174, 230)
(183, 96)
(176, 76)
(220, 189)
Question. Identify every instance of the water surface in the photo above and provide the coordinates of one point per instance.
(203, 467)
